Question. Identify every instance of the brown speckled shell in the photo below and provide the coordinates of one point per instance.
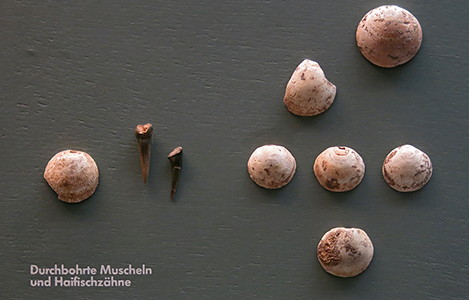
(271, 166)
(73, 175)
(389, 36)
(309, 93)
(407, 169)
(345, 252)
(339, 169)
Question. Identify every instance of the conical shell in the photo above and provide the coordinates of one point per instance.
(339, 169)
(271, 166)
(73, 175)
(308, 92)
(389, 36)
(345, 252)
(407, 169)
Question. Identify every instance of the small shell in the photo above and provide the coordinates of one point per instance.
(339, 169)
(389, 36)
(308, 92)
(73, 175)
(407, 169)
(345, 252)
(271, 166)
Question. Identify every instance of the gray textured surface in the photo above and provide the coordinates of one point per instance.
(210, 76)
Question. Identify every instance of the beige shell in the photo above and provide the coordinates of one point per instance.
(308, 92)
(339, 169)
(407, 169)
(271, 166)
(73, 175)
(345, 252)
(389, 36)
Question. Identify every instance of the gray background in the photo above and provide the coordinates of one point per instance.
(210, 76)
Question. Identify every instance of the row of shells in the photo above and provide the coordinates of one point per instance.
(340, 168)
(342, 252)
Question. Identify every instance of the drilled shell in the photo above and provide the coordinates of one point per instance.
(407, 169)
(73, 175)
(339, 169)
(271, 166)
(308, 92)
(389, 36)
(345, 252)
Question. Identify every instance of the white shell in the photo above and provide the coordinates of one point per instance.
(339, 169)
(345, 252)
(407, 169)
(271, 166)
(308, 92)
(389, 36)
(73, 175)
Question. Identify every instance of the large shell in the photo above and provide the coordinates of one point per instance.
(345, 252)
(308, 92)
(407, 169)
(271, 166)
(73, 175)
(389, 36)
(339, 169)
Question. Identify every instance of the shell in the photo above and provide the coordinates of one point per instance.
(309, 93)
(271, 166)
(73, 175)
(407, 169)
(389, 36)
(339, 169)
(345, 252)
